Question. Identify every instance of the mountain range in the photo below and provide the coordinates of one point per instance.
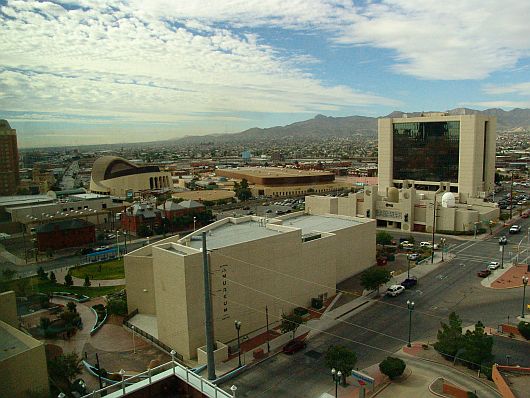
(327, 126)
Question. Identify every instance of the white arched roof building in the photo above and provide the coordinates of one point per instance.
(112, 175)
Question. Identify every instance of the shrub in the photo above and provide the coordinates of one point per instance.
(524, 329)
(392, 367)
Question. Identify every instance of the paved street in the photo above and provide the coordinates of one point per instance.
(382, 328)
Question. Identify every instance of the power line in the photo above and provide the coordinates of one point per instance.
(307, 308)
(326, 286)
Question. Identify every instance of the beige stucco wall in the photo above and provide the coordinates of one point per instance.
(137, 182)
(8, 308)
(385, 145)
(16, 368)
(279, 271)
(292, 190)
(315, 204)
(139, 275)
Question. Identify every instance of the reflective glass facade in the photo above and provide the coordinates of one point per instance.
(426, 151)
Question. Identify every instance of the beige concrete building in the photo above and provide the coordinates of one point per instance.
(255, 262)
(457, 150)
(22, 358)
(410, 210)
(282, 182)
(112, 175)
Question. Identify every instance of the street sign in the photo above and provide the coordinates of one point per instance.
(362, 377)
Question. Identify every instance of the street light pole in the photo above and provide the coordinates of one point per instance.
(442, 244)
(134, 343)
(433, 228)
(267, 320)
(118, 242)
(502, 256)
(194, 221)
(237, 324)
(525, 282)
(410, 306)
(336, 378)
(408, 267)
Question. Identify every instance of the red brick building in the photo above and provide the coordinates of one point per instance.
(140, 214)
(66, 233)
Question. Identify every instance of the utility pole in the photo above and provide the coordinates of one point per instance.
(511, 196)
(267, 320)
(208, 311)
(433, 228)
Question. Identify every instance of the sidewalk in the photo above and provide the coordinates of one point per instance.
(508, 278)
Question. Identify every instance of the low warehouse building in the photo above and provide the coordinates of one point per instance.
(278, 263)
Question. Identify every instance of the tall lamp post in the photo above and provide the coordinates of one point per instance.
(408, 267)
(118, 243)
(525, 282)
(433, 227)
(336, 378)
(194, 222)
(442, 246)
(237, 324)
(410, 306)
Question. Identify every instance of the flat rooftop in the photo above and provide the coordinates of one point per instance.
(315, 223)
(231, 234)
(24, 200)
(275, 172)
(9, 344)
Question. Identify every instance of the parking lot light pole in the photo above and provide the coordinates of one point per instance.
(525, 282)
(410, 306)
(336, 378)
(237, 324)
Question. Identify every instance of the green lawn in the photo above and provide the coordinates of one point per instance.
(26, 286)
(112, 269)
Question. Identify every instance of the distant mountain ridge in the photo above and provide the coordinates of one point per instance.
(328, 126)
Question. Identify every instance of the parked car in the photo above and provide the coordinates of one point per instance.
(493, 265)
(426, 244)
(484, 273)
(515, 229)
(406, 244)
(294, 346)
(413, 256)
(409, 282)
(395, 290)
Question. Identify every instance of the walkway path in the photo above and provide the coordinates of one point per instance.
(507, 278)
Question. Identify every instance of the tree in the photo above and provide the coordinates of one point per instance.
(117, 306)
(242, 190)
(63, 369)
(524, 329)
(372, 278)
(49, 252)
(450, 338)
(44, 323)
(68, 281)
(290, 323)
(392, 367)
(478, 347)
(71, 307)
(341, 358)
(22, 287)
(87, 281)
(143, 231)
(53, 278)
(41, 274)
(383, 238)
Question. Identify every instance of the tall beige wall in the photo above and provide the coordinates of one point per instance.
(25, 371)
(8, 308)
(139, 275)
(315, 204)
(385, 154)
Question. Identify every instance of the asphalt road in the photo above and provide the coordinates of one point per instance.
(382, 328)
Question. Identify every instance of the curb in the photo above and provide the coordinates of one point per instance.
(432, 391)
(452, 368)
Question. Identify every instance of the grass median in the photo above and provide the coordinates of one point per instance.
(112, 269)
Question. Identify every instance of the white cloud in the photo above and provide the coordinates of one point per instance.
(498, 104)
(132, 61)
(517, 88)
(431, 39)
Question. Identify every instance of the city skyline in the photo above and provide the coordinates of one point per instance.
(82, 72)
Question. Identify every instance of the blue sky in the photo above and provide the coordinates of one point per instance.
(78, 72)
